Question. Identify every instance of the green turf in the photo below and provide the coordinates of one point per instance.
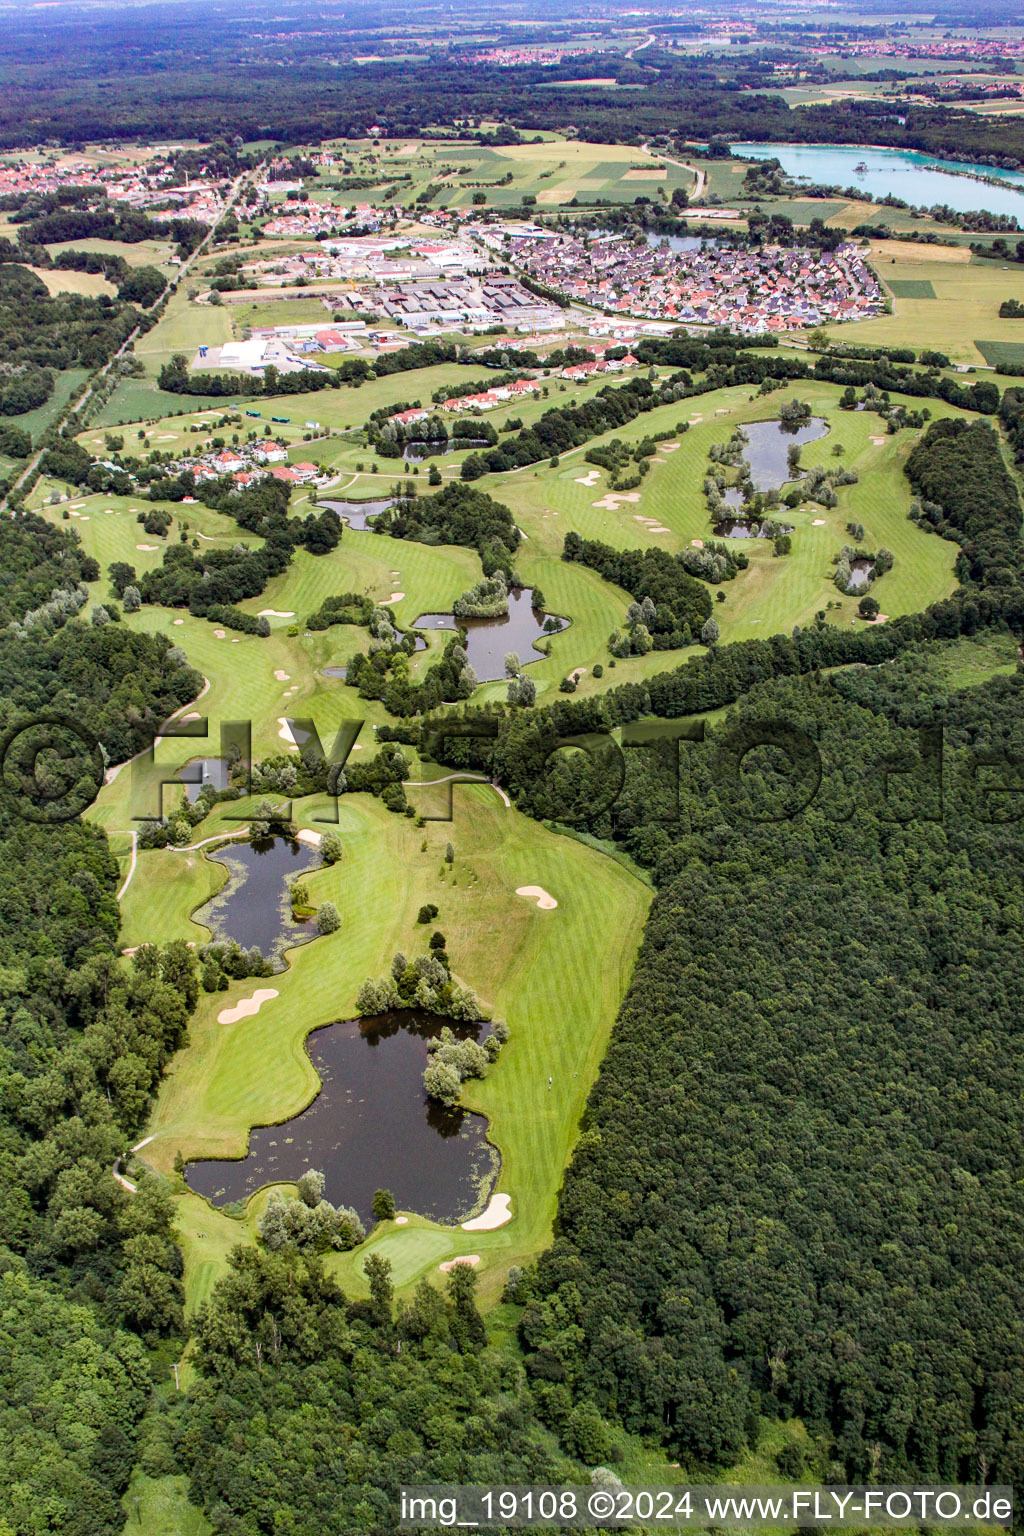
(911, 288)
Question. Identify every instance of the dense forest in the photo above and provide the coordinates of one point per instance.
(210, 82)
(90, 1280)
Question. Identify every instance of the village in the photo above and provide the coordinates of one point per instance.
(754, 290)
(148, 183)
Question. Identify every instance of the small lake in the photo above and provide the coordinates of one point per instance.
(768, 445)
(860, 573)
(748, 528)
(254, 907)
(205, 770)
(370, 1127)
(355, 513)
(488, 641)
(681, 242)
(921, 180)
(334, 671)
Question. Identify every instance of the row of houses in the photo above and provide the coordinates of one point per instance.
(519, 389)
(753, 289)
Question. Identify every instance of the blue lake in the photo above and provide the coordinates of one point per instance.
(921, 180)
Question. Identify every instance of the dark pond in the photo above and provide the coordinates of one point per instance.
(490, 640)
(737, 528)
(356, 513)
(205, 770)
(370, 1127)
(681, 242)
(749, 528)
(254, 907)
(860, 573)
(334, 671)
(768, 444)
(414, 452)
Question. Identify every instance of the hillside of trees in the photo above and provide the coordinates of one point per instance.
(90, 1278)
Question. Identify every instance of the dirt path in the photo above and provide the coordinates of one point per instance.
(126, 882)
(461, 778)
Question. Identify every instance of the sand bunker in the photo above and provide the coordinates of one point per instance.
(247, 1006)
(817, 522)
(590, 478)
(282, 677)
(878, 440)
(696, 543)
(310, 837)
(544, 901)
(274, 613)
(577, 673)
(614, 500)
(401, 1221)
(497, 1213)
(657, 528)
(292, 735)
(669, 447)
(177, 621)
(467, 1258)
(193, 714)
(220, 634)
(146, 547)
(879, 618)
(396, 597)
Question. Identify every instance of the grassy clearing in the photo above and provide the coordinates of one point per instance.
(968, 662)
(183, 327)
(159, 1506)
(90, 284)
(144, 253)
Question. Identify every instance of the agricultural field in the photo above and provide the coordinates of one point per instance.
(941, 295)
(89, 284)
(554, 171)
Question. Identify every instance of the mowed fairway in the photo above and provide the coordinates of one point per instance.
(556, 976)
(773, 594)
